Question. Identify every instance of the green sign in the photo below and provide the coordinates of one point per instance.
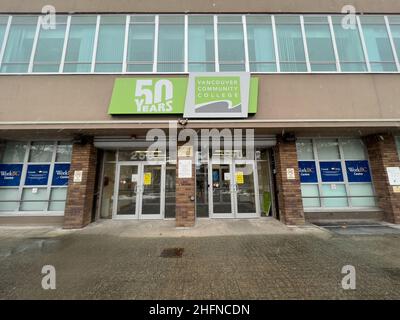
(168, 95)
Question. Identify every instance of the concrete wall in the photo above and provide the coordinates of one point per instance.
(281, 98)
(370, 6)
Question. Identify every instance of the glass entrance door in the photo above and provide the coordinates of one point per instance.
(233, 190)
(127, 191)
(139, 191)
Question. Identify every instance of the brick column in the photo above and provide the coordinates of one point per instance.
(289, 192)
(382, 153)
(79, 204)
(185, 189)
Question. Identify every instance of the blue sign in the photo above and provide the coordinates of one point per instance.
(358, 171)
(60, 174)
(308, 172)
(37, 175)
(10, 175)
(331, 171)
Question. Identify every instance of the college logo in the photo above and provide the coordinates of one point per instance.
(217, 94)
(154, 95)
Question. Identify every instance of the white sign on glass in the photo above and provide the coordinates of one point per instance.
(393, 175)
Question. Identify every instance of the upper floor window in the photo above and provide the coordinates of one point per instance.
(319, 44)
(110, 45)
(171, 36)
(201, 43)
(141, 44)
(19, 46)
(79, 54)
(292, 57)
(261, 44)
(378, 45)
(178, 43)
(231, 43)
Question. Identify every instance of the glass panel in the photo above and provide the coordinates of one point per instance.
(353, 149)
(151, 196)
(319, 43)
(359, 195)
(327, 149)
(202, 191)
(127, 192)
(32, 197)
(397, 139)
(3, 26)
(290, 44)
(310, 190)
(41, 152)
(231, 44)
(337, 192)
(261, 44)
(305, 150)
(107, 196)
(264, 190)
(8, 195)
(80, 45)
(170, 191)
(395, 29)
(171, 44)
(201, 43)
(245, 189)
(349, 46)
(110, 46)
(57, 199)
(141, 46)
(64, 152)
(19, 45)
(49, 47)
(380, 52)
(12, 152)
(221, 176)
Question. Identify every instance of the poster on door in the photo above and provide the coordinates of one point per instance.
(239, 177)
(10, 175)
(37, 175)
(147, 178)
(358, 171)
(331, 171)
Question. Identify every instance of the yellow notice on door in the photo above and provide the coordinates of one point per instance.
(147, 178)
(239, 177)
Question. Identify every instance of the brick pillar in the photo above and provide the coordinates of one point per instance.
(289, 192)
(382, 153)
(185, 189)
(79, 204)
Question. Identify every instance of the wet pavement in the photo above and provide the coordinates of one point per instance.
(107, 261)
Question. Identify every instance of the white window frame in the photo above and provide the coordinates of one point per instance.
(49, 187)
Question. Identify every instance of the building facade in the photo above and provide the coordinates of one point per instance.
(109, 110)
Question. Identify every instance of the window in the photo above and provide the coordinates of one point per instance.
(19, 44)
(261, 44)
(231, 43)
(394, 22)
(34, 176)
(201, 44)
(3, 26)
(49, 47)
(319, 44)
(378, 45)
(171, 36)
(335, 173)
(349, 46)
(290, 44)
(141, 44)
(79, 54)
(110, 46)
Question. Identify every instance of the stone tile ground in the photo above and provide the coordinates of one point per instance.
(290, 265)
